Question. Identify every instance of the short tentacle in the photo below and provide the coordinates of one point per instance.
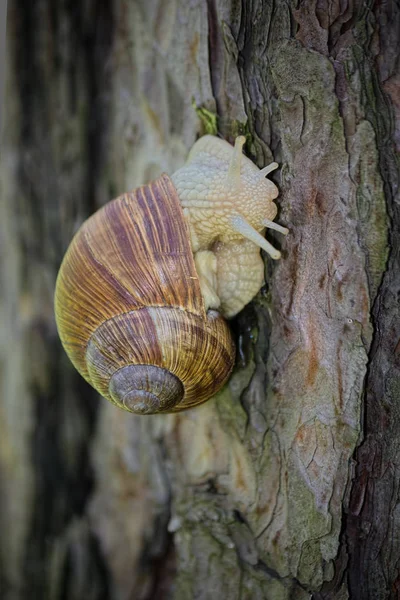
(240, 225)
(272, 225)
(266, 170)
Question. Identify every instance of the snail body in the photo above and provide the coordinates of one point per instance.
(138, 289)
(228, 203)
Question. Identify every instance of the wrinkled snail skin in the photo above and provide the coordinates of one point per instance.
(228, 203)
(136, 291)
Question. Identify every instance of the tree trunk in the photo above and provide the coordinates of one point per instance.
(285, 486)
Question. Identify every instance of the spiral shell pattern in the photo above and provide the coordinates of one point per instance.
(129, 309)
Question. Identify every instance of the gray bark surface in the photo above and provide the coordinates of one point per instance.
(285, 486)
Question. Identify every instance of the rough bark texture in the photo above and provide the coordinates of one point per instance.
(286, 485)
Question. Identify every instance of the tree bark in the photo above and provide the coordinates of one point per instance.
(284, 486)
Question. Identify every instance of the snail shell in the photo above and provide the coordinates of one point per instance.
(129, 308)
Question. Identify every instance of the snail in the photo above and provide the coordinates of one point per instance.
(148, 281)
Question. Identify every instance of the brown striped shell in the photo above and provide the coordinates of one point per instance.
(129, 309)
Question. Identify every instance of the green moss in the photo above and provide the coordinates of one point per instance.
(208, 119)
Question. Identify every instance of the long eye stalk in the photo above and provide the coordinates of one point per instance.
(233, 177)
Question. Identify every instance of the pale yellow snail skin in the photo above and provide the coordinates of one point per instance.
(147, 282)
(228, 203)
